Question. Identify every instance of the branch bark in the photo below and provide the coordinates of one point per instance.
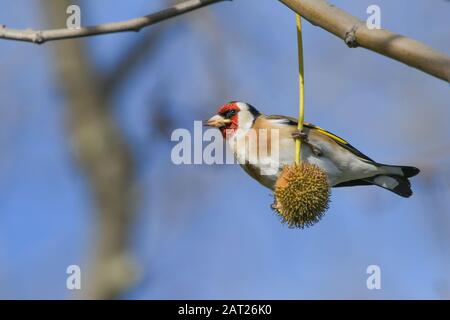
(355, 33)
(319, 12)
(136, 24)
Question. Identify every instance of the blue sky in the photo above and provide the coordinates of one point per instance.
(241, 50)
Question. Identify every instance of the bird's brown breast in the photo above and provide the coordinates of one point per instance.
(255, 172)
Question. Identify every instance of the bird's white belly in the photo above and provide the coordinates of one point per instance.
(339, 164)
(287, 156)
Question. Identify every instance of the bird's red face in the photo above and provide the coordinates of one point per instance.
(226, 119)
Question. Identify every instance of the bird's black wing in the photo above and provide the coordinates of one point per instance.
(353, 183)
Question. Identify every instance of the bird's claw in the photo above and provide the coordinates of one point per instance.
(302, 135)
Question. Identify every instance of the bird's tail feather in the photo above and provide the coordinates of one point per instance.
(392, 178)
(403, 171)
(409, 172)
(397, 184)
(395, 179)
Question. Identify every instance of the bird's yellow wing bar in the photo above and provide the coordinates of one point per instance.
(339, 141)
(327, 133)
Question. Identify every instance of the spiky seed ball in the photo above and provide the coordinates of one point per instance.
(302, 195)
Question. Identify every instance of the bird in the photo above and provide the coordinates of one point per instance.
(344, 165)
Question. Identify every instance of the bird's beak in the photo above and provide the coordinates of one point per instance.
(217, 122)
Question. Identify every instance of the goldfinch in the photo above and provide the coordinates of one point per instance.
(345, 165)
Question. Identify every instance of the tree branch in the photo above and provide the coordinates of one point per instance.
(347, 27)
(355, 33)
(136, 24)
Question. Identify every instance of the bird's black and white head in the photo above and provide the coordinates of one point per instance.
(233, 116)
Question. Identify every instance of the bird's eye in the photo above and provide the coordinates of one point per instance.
(231, 113)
